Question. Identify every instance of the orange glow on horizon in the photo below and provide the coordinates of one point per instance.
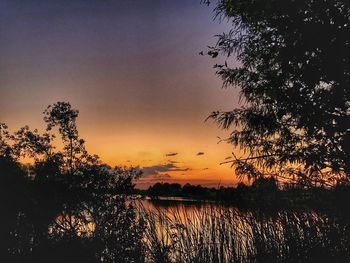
(141, 92)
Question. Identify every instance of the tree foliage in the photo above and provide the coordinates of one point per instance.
(67, 205)
(293, 75)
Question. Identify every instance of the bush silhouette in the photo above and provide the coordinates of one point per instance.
(66, 206)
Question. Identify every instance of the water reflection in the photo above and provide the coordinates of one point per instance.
(186, 231)
(183, 231)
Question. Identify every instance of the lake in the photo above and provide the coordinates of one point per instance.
(180, 230)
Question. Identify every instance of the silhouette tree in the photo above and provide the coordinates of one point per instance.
(293, 72)
(67, 205)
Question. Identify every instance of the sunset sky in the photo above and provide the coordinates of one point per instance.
(133, 70)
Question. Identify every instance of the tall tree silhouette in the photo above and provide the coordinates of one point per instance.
(294, 77)
(67, 205)
(64, 117)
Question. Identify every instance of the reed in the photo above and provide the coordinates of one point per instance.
(219, 235)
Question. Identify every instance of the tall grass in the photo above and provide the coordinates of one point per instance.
(213, 234)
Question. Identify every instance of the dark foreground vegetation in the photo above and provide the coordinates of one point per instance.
(67, 206)
(294, 74)
(222, 234)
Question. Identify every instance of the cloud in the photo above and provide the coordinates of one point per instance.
(162, 176)
(162, 168)
(200, 153)
(171, 161)
(171, 154)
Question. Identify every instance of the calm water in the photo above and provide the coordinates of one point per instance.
(193, 230)
(184, 230)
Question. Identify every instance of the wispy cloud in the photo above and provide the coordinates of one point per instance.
(200, 153)
(171, 154)
(171, 161)
(162, 176)
(162, 168)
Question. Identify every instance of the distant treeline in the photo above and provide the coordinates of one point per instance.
(262, 193)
